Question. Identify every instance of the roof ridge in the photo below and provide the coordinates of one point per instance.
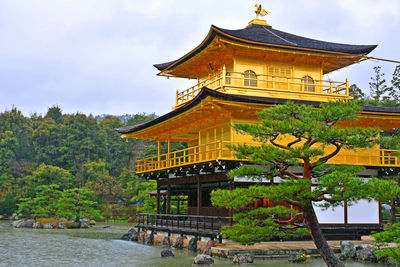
(279, 36)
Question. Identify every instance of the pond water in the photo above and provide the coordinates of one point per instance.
(99, 246)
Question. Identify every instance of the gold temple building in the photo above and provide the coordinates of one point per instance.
(238, 73)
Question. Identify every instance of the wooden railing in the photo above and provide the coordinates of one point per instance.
(207, 225)
(220, 150)
(196, 154)
(223, 80)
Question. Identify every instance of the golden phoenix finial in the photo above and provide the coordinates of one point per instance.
(260, 11)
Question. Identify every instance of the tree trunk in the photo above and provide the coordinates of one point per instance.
(319, 239)
(393, 211)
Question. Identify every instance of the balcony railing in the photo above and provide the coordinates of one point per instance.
(220, 150)
(237, 82)
(196, 154)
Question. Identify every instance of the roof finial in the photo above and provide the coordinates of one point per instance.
(260, 12)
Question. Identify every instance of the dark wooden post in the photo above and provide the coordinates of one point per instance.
(169, 198)
(198, 195)
(178, 200)
(345, 208)
(231, 187)
(158, 198)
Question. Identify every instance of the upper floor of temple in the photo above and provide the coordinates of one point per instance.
(259, 60)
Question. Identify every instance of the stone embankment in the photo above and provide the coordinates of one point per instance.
(295, 251)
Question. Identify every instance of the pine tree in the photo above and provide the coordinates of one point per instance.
(394, 90)
(356, 92)
(378, 86)
(293, 135)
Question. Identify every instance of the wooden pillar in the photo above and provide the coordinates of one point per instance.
(230, 214)
(198, 195)
(158, 198)
(169, 152)
(169, 198)
(178, 200)
(346, 216)
(159, 153)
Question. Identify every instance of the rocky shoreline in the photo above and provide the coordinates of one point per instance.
(44, 223)
(209, 249)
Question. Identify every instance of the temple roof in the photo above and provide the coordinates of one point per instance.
(266, 36)
(205, 92)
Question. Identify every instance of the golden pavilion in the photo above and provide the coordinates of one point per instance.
(236, 74)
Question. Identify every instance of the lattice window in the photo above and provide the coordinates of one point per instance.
(308, 84)
(228, 78)
(280, 71)
(250, 78)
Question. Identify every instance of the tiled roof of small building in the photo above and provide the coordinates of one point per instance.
(261, 35)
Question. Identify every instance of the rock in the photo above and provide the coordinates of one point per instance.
(243, 258)
(347, 249)
(84, 225)
(62, 226)
(16, 223)
(92, 222)
(193, 244)
(37, 225)
(74, 225)
(203, 259)
(1, 217)
(48, 226)
(142, 236)
(130, 236)
(179, 242)
(26, 224)
(149, 240)
(167, 253)
(367, 253)
(299, 256)
(166, 241)
(207, 249)
(107, 226)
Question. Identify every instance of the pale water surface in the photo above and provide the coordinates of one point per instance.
(99, 247)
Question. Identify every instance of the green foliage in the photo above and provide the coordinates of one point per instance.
(77, 203)
(70, 150)
(391, 234)
(377, 85)
(356, 92)
(47, 175)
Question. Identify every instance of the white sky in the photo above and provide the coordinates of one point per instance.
(96, 56)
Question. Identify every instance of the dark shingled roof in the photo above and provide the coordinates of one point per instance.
(267, 36)
(236, 98)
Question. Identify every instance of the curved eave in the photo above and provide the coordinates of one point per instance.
(206, 92)
(357, 51)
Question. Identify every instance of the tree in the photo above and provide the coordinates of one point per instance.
(356, 92)
(47, 175)
(77, 203)
(394, 90)
(44, 204)
(391, 234)
(378, 86)
(300, 135)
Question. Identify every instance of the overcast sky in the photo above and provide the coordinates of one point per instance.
(96, 56)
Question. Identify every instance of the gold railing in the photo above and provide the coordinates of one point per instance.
(220, 150)
(196, 154)
(240, 81)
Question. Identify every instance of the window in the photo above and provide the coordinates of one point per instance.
(280, 71)
(308, 84)
(228, 78)
(250, 78)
